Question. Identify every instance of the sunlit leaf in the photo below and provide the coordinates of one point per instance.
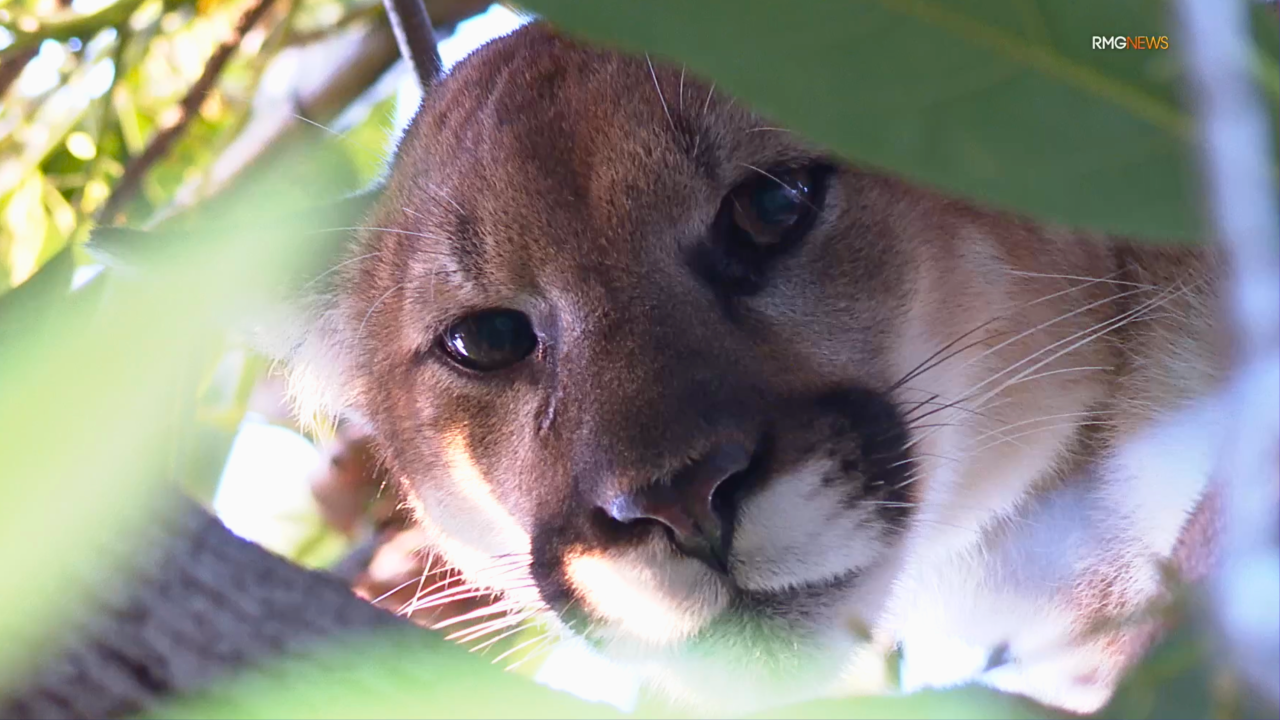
(26, 223)
(64, 220)
(81, 144)
(130, 121)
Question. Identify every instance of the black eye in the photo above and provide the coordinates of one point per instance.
(771, 207)
(490, 340)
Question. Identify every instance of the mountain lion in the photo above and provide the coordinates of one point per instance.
(746, 417)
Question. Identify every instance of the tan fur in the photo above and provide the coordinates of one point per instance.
(572, 184)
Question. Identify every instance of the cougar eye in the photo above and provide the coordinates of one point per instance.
(757, 223)
(490, 340)
(767, 207)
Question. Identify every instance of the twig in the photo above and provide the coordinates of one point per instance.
(164, 140)
(83, 26)
(1237, 166)
(416, 37)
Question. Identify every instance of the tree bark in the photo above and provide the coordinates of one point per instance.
(201, 604)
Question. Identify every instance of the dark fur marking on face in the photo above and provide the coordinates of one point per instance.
(863, 434)
(878, 465)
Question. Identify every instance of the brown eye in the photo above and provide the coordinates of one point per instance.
(490, 340)
(767, 207)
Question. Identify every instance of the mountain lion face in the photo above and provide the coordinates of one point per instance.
(719, 402)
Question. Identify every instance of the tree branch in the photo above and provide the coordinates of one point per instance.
(211, 604)
(29, 32)
(137, 169)
(416, 38)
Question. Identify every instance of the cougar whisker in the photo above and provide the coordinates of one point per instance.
(1090, 335)
(656, 86)
(513, 650)
(1107, 279)
(1058, 426)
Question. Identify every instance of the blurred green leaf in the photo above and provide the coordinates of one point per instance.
(1003, 103)
(28, 307)
(322, 548)
(957, 704)
(1266, 32)
(367, 141)
(84, 403)
(1173, 683)
(416, 675)
(413, 675)
(219, 405)
(26, 226)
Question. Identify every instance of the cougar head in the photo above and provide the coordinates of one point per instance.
(676, 375)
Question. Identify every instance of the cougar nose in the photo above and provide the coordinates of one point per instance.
(699, 518)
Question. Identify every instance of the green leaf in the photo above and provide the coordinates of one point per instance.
(24, 309)
(1266, 57)
(963, 702)
(26, 226)
(1000, 101)
(386, 676)
(367, 142)
(85, 402)
(423, 676)
(1266, 32)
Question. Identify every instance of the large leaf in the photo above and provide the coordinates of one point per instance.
(383, 676)
(413, 676)
(1000, 101)
(86, 392)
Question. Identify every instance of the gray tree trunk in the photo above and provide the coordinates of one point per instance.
(202, 604)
